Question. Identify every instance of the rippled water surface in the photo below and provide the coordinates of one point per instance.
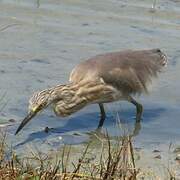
(41, 41)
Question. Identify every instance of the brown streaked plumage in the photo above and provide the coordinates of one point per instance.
(101, 79)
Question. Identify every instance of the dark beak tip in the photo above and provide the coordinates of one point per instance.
(16, 132)
(24, 122)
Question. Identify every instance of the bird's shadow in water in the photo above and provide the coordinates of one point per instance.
(88, 122)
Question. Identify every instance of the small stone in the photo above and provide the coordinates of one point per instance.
(76, 134)
(158, 157)
(12, 120)
(85, 24)
(46, 130)
(156, 151)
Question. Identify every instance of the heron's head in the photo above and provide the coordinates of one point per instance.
(37, 103)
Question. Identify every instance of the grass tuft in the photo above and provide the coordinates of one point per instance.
(116, 161)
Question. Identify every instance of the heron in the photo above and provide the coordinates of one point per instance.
(104, 78)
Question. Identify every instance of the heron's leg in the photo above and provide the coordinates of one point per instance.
(103, 115)
(139, 108)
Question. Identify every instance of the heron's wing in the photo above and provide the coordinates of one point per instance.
(87, 70)
(131, 71)
(127, 80)
(128, 71)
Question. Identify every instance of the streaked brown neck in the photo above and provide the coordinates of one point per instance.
(70, 98)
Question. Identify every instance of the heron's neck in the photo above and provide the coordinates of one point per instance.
(72, 97)
(59, 92)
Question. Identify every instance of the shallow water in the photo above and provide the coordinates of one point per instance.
(41, 41)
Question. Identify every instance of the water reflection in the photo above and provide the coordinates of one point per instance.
(38, 3)
(77, 128)
(74, 30)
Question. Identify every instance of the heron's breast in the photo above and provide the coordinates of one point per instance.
(108, 94)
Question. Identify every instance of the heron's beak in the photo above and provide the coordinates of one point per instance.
(26, 120)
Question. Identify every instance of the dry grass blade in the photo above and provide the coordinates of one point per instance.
(116, 162)
(121, 163)
(77, 169)
(2, 146)
(109, 160)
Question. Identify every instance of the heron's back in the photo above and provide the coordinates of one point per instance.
(129, 71)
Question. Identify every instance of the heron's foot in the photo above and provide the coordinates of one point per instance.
(139, 112)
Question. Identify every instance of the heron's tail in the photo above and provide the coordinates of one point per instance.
(150, 67)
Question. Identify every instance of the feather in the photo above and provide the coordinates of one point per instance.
(129, 71)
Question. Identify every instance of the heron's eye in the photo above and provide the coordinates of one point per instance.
(41, 106)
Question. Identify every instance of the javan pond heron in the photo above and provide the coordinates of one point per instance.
(102, 79)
